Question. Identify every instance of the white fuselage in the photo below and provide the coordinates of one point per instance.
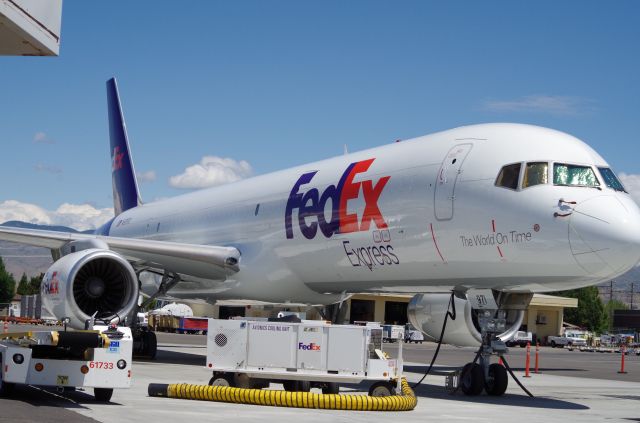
(421, 215)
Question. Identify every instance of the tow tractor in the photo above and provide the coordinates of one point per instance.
(301, 356)
(99, 358)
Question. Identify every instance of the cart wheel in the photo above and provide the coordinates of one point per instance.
(222, 379)
(496, 383)
(471, 379)
(5, 387)
(303, 386)
(330, 388)
(382, 389)
(296, 385)
(102, 394)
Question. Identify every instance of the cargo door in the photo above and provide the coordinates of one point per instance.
(446, 179)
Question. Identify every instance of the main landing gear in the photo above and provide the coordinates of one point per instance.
(145, 343)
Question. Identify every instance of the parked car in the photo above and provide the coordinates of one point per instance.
(520, 338)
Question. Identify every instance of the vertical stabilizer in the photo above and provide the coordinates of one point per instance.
(125, 186)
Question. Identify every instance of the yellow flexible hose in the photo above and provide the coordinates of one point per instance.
(404, 402)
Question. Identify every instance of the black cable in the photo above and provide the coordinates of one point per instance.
(452, 314)
(506, 365)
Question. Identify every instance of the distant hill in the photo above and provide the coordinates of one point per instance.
(20, 259)
(25, 225)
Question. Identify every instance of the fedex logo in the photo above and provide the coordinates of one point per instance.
(116, 157)
(51, 286)
(309, 347)
(311, 204)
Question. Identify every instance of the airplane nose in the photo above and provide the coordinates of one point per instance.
(604, 234)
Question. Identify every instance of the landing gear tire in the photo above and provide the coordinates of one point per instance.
(102, 394)
(145, 344)
(471, 379)
(382, 389)
(151, 344)
(496, 383)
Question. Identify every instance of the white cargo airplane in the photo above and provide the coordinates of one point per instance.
(507, 209)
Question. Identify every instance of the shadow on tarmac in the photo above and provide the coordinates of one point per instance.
(445, 370)
(172, 357)
(37, 396)
(440, 392)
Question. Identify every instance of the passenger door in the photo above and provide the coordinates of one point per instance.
(450, 169)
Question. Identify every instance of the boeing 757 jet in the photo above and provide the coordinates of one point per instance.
(491, 213)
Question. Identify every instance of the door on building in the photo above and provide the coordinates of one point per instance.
(395, 313)
(450, 169)
(362, 311)
(225, 312)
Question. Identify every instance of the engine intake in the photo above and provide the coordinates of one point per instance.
(90, 282)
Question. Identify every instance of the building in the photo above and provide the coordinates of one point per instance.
(626, 320)
(543, 317)
(30, 27)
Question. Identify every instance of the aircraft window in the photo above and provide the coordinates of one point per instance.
(535, 174)
(508, 176)
(574, 175)
(610, 179)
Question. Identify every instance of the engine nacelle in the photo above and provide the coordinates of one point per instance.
(88, 282)
(426, 313)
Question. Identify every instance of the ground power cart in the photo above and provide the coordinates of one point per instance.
(98, 358)
(301, 356)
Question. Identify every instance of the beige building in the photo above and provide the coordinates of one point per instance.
(544, 316)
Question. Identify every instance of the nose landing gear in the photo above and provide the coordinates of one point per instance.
(481, 374)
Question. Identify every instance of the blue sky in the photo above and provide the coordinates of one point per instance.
(278, 84)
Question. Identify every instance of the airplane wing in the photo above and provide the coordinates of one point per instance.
(202, 261)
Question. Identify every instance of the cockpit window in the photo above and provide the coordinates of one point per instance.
(535, 173)
(610, 179)
(509, 176)
(574, 175)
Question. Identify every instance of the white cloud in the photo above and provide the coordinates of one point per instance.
(552, 104)
(632, 184)
(42, 138)
(148, 176)
(48, 168)
(77, 216)
(211, 171)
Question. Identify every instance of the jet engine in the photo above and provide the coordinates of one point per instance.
(90, 282)
(426, 312)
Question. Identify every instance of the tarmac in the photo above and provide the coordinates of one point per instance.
(557, 398)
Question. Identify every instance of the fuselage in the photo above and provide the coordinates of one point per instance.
(448, 210)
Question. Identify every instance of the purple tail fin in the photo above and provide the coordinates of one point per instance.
(125, 186)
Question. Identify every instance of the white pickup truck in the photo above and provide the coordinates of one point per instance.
(520, 338)
(570, 339)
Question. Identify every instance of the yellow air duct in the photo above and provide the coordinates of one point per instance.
(404, 402)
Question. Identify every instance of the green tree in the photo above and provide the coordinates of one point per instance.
(615, 305)
(34, 284)
(23, 285)
(591, 312)
(7, 284)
